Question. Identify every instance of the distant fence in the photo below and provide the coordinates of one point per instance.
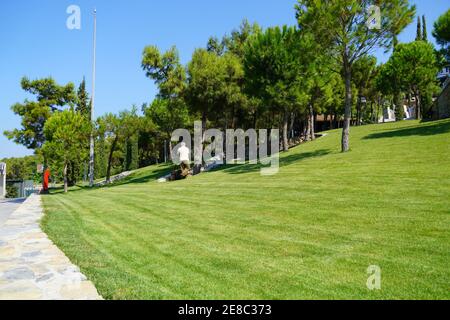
(24, 188)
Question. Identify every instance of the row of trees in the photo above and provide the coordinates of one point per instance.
(280, 77)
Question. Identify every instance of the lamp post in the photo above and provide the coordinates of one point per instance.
(92, 151)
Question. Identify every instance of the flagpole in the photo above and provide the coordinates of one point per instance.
(92, 151)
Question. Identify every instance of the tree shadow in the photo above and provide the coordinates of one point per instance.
(138, 177)
(144, 178)
(13, 201)
(427, 130)
(284, 161)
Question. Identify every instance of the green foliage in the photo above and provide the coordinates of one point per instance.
(83, 105)
(364, 74)
(101, 157)
(131, 161)
(273, 68)
(275, 71)
(411, 69)
(441, 32)
(168, 111)
(115, 130)
(166, 70)
(213, 83)
(419, 30)
(49, 98)
(339, 27)
(216, 46)
(414, 68)
(22, 168)
(66, 132)
(313, 228)
(159, 113)
(236, 42)
(11, 191)
(424, 29)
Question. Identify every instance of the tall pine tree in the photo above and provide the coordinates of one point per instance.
(83, 103)
(419, 30)
(424, 28)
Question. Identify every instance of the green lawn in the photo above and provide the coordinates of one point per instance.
(309, 232)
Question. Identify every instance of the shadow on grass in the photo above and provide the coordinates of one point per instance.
(138, 177)
(142, 177)
(421, 130)
(284, 161)
(12, 201)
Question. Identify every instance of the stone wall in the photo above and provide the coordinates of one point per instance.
(443, 103)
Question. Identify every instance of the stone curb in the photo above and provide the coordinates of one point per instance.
(31, 266)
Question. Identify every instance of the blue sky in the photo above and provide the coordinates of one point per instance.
(36, 43)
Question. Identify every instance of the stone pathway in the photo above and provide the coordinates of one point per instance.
(31, 266)
(7, 207)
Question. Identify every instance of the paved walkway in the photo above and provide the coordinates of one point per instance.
(31, 266)
(8, 206)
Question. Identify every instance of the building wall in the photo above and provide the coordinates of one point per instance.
(443, 103)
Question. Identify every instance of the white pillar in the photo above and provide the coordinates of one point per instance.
(2, 180)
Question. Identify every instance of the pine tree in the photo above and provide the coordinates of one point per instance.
(424, 26)
(131, 151)
(83, 103)
(134, 163)
(419, 30)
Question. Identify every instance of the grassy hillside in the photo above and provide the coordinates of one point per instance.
(309, 232)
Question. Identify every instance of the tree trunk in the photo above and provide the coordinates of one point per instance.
(108, 170)
(398, 107)
(345, 143)
(291, 126)
(233, 118)
(285, 131)
(418, 106)
(358, 103)
(371, 110)
(66, 184)
(311, 122)
(170, 148)
(307, 125)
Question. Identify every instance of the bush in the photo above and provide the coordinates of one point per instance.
(11, 191)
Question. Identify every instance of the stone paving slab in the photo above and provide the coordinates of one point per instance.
(31, 266)
(7, 207)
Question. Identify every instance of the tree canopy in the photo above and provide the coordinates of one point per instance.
(441, 32)
(49, 97)
(66, 133)
(341, 28)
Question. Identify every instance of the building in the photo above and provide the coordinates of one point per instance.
(441, 109)
(443, 75)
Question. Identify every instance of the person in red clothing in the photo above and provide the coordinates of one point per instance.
(46, 179)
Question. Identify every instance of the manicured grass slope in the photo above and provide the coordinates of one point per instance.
(310, 231)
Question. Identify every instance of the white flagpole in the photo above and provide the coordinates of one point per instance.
(92, 151)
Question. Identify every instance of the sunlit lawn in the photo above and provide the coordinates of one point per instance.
(309, 232)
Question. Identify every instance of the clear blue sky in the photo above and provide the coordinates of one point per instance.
(36, 43)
